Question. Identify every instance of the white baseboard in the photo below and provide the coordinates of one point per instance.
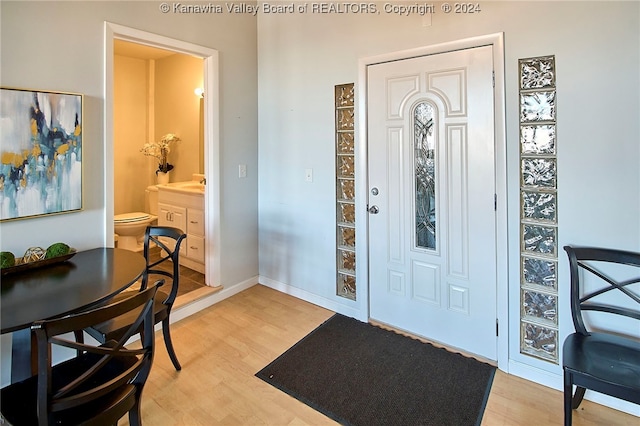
(200, 304)
(310, 297)
(533, 374)
(555, 381)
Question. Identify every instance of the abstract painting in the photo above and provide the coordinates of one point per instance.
(40, 153)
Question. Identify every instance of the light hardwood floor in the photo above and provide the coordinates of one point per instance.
(222, 347)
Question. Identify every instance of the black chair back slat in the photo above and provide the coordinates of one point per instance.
(159, 235)
(169, 241)
(610, 309)
(98, 386)
(605, 361)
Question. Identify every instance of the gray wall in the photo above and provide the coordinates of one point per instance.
(301, 59)
(59, 46)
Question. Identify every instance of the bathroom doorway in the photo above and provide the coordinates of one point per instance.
(196, 155)
(154, 96)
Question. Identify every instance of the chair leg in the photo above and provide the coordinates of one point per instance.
(135, 414)
(577, 397)
(169, 344)
(568, 396)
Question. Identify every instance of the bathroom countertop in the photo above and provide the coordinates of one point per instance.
(188, 187)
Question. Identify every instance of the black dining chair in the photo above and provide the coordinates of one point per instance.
(169, 240)
(99, 386)
(603, 281)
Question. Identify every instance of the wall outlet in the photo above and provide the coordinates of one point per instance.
(242, 170)
(308, 175)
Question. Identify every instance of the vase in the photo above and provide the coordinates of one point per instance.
(162, 178)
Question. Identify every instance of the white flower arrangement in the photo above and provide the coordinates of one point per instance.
(161, 150)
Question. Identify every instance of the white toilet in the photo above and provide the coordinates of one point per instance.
(129, 227)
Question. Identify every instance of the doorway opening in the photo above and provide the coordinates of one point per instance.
(209, 134)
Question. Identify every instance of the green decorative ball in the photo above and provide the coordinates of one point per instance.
(7, 259)
(57, 249)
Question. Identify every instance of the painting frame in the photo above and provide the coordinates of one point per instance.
(41, 153)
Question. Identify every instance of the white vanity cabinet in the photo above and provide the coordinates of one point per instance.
(195, 235)
(184, 209)
(170, 215)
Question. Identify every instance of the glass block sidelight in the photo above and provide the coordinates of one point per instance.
(346, 143)
(344, 95)
(538, 139)
(346, 213)
(346, 166)
(347, 261)
(539, 239)
(345, 119)
(539, 307)
(539, 172)
(346, 236)
(345, 190)
(538, 106)
(537, 73)
(539, 341)
(538, 208)
(347, 286)
(539, 272)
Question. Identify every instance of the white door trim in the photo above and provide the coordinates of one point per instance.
(362, 173)
(211, 137)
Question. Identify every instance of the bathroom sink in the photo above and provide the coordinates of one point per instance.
(191, 185)
(186, 186)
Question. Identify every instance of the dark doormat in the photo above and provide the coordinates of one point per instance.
(360, 374)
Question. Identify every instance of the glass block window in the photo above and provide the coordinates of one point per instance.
(539, 341)
(538, 272)
(540, 240)
(425, 176)
(538, 209)
(538, 139)
(539, 206)
(539, 307)
(345, 191)
(539, 172)
(538, 106)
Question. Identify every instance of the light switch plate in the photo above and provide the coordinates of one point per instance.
(308, 175)
(242, 170)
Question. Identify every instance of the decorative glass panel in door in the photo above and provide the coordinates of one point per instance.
(425, 173)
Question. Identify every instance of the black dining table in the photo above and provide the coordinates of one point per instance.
(87, 279)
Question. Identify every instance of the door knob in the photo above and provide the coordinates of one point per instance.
(374, 209)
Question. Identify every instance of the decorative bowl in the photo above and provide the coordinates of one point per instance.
(21, 265)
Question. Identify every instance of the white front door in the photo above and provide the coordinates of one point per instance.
(431, 198)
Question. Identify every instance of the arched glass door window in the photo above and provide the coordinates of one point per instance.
(425, 176)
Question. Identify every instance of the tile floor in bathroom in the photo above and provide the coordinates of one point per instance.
(192, 283)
